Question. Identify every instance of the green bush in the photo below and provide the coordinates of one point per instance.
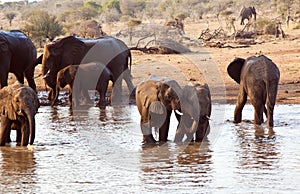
(266, 26)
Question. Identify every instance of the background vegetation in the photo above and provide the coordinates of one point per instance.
(51, 18)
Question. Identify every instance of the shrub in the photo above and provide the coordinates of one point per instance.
(266, 26)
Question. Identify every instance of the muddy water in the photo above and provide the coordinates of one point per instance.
(93, 151)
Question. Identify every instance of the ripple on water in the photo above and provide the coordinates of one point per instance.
(101, 151)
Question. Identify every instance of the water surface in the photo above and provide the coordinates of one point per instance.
(95, 151)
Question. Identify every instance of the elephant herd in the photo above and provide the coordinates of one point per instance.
(89, 64)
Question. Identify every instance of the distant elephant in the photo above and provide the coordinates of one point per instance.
(18, 56)
(19, 104)
(72, 51)
(199, 94)
(155, 100)
(82, 78)
(258, 78)
(246, 13)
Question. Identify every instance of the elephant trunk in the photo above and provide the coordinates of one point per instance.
(31, 120)
(194, 127)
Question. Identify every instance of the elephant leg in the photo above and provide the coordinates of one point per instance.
(116, 96)
(271, 100)
(75, 97)
(179, 131)
(164, 129)
(202, 132)
(20, 77)
(128, 80)
(179, 135)
(51, 94)
(5, 130)
(86, 97)
(102, 101)
(3, 79)
(70, 97)
(147, 133)
(258, 113)
(25, 132)
(189, 137)
(29, 74)
(242, 99)
(146, 128)
(19, 136)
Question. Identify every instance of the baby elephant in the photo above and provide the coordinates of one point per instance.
(19, 104)
(82, 78)
(199, 95)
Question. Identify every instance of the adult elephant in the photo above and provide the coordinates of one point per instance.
(199, 95)
(155, 100)
(258, 77)
(19, 104)
(75, 75)
(246, 13)
(72, 50)
(17, 55)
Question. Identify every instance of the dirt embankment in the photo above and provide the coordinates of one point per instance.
(209, 65)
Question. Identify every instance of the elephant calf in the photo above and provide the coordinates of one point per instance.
(19, 104)
(155, 100)
(82, 78)
(258, 78)
(199, 95)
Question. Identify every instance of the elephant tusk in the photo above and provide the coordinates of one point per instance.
(178, 112)
(207, 117)
(46, 75)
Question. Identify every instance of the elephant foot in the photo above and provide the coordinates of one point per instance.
(132, 97)
(102, 104)
(149, 139)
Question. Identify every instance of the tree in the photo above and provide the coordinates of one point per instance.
(41, 25)
(10, 16)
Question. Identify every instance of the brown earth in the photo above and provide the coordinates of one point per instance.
(209, 65)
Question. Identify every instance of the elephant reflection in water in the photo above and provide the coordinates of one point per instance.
(23, 165)
(257, 150)
(167, 163)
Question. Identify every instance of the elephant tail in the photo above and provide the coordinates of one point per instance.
(130, 59)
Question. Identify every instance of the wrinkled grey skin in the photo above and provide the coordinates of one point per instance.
(199, 95)
(80, 79)
(246, 13)
(18, 56)
(19, 104)
(71, 50)
(155, 100)
(258, 78)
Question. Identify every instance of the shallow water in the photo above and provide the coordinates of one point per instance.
(95, 151)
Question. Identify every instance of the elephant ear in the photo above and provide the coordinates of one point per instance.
(234, 69)
(73, 49)
(6, 105)
(157, 107)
